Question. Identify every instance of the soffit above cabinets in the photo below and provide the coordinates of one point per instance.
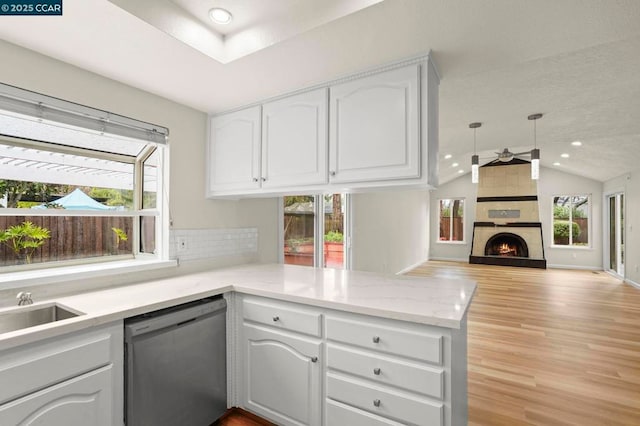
(256, 24)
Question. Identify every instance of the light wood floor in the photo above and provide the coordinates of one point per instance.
(550, 347)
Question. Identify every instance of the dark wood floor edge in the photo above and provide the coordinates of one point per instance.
(237, 411)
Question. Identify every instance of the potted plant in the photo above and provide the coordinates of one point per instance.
(24, 239)
(333, 248)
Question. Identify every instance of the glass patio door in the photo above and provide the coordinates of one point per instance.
(305, 217)
(615, 209)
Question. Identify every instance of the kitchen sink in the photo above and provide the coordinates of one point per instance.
(30, 316)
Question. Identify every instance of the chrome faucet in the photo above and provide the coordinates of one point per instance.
(24, 298)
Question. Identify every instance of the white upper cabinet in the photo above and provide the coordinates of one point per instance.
(375, 127)
(234, 151)
(369, 130)
(294, 140)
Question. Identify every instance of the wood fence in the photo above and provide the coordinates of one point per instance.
(299, 226)
(445, 229)
(72, 237)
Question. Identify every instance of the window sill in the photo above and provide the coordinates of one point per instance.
(451, 242)
(553, 246)
(65, 274)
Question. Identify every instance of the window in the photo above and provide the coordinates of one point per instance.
(451, 219)
(300, 227)
(571, 220)
(73, 194)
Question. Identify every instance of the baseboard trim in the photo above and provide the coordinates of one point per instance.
(577, 267)
(451, 259)
(409, 268)
(632, 283)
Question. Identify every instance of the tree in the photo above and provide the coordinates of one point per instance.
(16, 190)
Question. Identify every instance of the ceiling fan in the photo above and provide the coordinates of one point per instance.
(505, 156)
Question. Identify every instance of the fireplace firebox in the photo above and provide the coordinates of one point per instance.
(506, 244)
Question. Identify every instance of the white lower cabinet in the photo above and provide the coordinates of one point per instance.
(301, 365)
(84, 400)
(68, 380)
(282, 376)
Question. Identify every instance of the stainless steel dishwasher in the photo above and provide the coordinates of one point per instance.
(175, 365)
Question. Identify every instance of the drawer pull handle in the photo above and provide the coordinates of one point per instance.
(376, 339)
(376, 371)
(376, 402)
(314, 359)
(276, 318)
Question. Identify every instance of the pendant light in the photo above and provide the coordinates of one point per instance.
(535, 152)
(475, 160)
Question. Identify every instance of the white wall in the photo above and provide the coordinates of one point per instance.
(457, 188)
(552, 182)
(629, 184)
(189, 209)
(390, 230)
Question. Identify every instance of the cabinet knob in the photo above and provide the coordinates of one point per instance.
(376, 371)
(255, 179)
(376, 402)
(264, 179)
(276, 318)
(332, 173)
(314, 359)
(376, 339)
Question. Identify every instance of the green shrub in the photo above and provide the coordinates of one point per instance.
(333, 237)
(561, 229)
(562, 212)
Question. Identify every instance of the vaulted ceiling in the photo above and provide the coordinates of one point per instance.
(575, 61)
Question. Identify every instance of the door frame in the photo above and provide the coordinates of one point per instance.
(606, 249)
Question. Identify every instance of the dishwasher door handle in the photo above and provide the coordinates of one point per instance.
(186, 322)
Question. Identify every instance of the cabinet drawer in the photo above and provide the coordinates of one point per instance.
(37, 366)
(282, 316)
(385, 338)
(340, 414)
(385, 370)
(384, 401)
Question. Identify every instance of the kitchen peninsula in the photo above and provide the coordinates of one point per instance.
(304, 345)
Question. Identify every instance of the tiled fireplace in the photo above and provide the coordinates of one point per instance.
(507, 230)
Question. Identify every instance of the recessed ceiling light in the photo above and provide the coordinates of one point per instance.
(220, 16)
(565, 155)
(455, 165)
(448, 156)
(576, 143)
(556, 164)
(460, 171)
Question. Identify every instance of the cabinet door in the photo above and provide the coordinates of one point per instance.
(234, 151)
(84, 400)
(282, 376)
(294, 140)
(375, 127)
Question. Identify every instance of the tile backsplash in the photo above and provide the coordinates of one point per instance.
(195, 244)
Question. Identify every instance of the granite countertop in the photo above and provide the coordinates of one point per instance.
(433, 301)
